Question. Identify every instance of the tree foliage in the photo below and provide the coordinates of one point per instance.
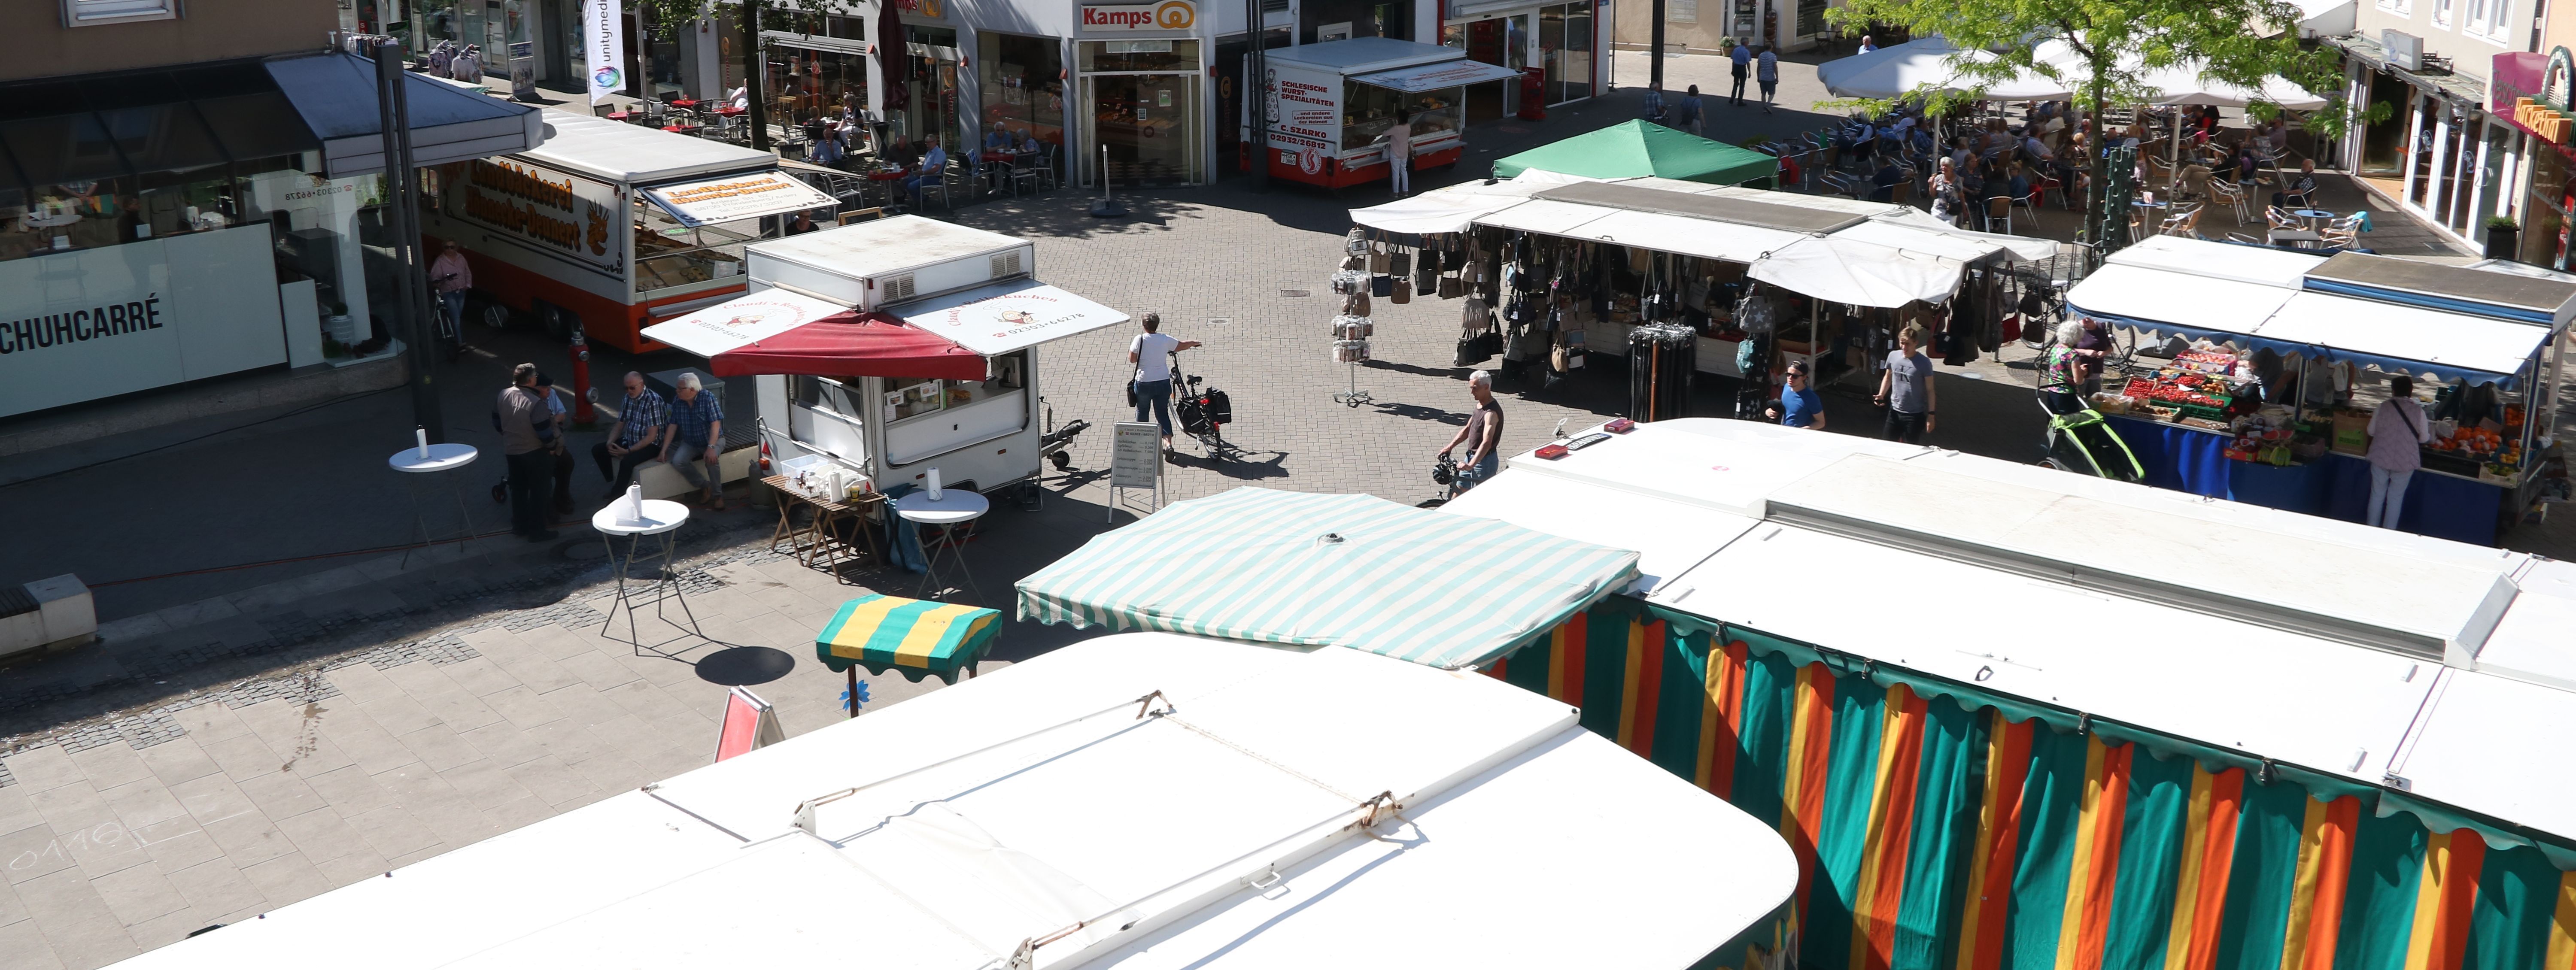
(2115, 45)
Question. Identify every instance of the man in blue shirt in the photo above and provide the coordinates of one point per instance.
(1654, 109)
(1742, 59)
(934, 164)
(1800, 405)
(1884, 183)
(1687, 114)
(696, 433)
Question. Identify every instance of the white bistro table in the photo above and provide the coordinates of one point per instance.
(436, 458)
(953, 508)
(661, 518)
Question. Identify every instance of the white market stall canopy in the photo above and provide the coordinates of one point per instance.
(1148, 802)
(615, 151)
(749, 195)
(2257, 297)
(1329, 570)
(1433, 77)
(1928, 64)
(999, 318)
(2455, 676)
(1838, 250)
(741, 321)
(2181, 84)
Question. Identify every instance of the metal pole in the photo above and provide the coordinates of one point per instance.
(1655, 54)
(1256, 91)
(409, 286)
(755, 83)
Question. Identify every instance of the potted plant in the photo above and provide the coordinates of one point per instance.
(2503, 237)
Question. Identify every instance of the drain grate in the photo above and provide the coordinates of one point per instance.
(1296, 293)
(1220, 321)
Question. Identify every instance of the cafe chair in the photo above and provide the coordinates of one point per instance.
(1999, 212)
(2230, 195)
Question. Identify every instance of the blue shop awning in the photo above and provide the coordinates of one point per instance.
(335, 94)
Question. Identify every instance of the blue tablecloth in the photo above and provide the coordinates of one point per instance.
(2335, 487)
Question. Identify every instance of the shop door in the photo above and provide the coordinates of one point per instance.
(1500, 42)
(1234, 61)
(1148, 123)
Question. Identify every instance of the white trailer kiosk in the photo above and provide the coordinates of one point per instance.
(891, 347)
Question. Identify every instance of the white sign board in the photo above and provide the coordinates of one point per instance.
(1135, 454)
(741, 322)
(551, 211)
(737, 197)
(92, 323)
(1004, 317)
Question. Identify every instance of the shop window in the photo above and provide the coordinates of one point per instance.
(670, 256)
(1023, 92)
(1140, 55)
(1368, 111)
(913, 397)
(91, 13)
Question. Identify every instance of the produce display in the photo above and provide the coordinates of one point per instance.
(2174, 387)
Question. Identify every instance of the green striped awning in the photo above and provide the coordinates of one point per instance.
(1356, 571)
(916, 637)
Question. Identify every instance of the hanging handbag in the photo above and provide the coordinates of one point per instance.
(1450, 288)
(1381, 286)
(1400, 264)
(1355, 305)
(1403, 288)
(1471, 351)
(1355, 263)
(1426, 276)
(1378, 259)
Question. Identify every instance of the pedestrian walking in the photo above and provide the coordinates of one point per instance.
(2061, 371)
(529, 438)
(636, 438)
(1151, 387)
(1654, 107)
(1740, 64)
(1800, 405)
(451, 276)
(696, 434)
(1399, 154)
(1688, 115)
(1905, 388)
(2398, 433)
(1483, 435)
(1766, 72)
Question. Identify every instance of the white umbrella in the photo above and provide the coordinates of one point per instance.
(2183, 84)
(1837, 270)
(1926, 64)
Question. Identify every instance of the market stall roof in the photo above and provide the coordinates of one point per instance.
(2309, 665)
(614, 151)
(335, 92)
(1455, 208)
(884, 247)
(1845, 270)
(1364, 55)
(2185, 83)
(748, 195)
(784, 332)
(998, 318)
(1223, 825)
(2257, 298)
(1634, 148)
(1928, 64)
(1328, 570)
(1436, 75)
(917, 638)
(1666, 233)
(2549, 302)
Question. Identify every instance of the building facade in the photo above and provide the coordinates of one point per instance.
(2442, 153)
(1711, 26)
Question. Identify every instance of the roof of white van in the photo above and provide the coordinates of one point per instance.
(615, 151)
(1217, 834)
(2303, 639)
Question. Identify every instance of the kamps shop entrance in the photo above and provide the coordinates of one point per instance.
(1142, 86)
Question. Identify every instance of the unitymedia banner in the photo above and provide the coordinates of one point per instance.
(91, 323)
(603, 42)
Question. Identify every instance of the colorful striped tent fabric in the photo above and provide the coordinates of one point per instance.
(917, 637)
(1329, 570)
(1939, 828)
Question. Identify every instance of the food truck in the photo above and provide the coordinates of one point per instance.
(887, 348)
(611, 225)
(1329, 106)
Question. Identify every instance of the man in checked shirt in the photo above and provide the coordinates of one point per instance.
(636, 438)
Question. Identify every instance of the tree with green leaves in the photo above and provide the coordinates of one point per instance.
(673, 18)
(2109, 47)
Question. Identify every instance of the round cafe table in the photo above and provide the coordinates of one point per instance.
(954, 507)
(443, 457)
(661, 518)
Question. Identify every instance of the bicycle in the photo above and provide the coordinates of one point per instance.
(449, 330)
(1202, 415)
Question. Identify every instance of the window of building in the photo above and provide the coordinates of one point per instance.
(2441, 13)
(1022, 93)
(1681, 11)
(91, 13)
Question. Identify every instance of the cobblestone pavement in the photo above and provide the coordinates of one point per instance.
(290, 742)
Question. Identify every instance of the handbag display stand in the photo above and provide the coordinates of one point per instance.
(1353, 397)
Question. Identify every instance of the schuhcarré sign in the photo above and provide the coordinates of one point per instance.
(91, 323)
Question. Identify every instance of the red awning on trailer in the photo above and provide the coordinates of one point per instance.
(780, 332)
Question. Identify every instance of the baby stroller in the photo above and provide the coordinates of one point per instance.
(2083, 442)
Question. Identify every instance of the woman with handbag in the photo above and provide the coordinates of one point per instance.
(1151, 387)
(2398, 433)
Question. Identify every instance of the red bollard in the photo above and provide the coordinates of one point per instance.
(581, 414)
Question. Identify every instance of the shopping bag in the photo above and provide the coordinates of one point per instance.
(1400, 263)
(1450, 288)
(1378, 261)
(1381, 285)
(1403, 291)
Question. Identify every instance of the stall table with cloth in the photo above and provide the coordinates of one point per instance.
(2213, 422)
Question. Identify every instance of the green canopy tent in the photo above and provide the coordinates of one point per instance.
(1634, 148)
(1435, 588)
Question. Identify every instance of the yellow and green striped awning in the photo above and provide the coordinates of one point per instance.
(916, 637)
(1435, 588)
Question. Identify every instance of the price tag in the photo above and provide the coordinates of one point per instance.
(1136, 454)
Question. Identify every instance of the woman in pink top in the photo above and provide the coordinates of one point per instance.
(2398, 431)
(1399, 153)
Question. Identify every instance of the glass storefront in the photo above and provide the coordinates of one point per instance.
(2545, 219)
(1565, 48)
(819, 69)
(487, 24)
(932, 112)
(1022, 90)
(1322, 20)
(319, 227)
(1140, 101)
(1500, 41)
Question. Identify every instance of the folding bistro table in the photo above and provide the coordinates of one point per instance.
(917, 637)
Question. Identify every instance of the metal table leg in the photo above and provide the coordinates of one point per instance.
(666, 586)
